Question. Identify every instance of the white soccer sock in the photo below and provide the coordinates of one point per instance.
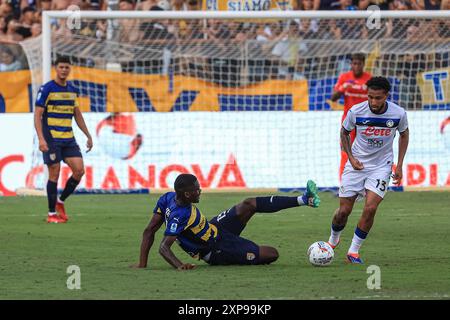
(301, 201)
(334, 237)
(356, 244)
(52, 213)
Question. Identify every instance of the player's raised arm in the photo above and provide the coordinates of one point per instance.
(147, 239)
(170, 257)
(82, 125)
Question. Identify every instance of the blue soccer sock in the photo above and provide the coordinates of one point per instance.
(275, 203)
(69, 189)
(52, 194)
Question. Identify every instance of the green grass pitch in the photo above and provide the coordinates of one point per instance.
(409, 242)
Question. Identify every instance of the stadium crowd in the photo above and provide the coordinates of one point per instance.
(217, 44)
(21, 19)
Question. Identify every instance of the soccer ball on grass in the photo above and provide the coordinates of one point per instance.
(320, 254)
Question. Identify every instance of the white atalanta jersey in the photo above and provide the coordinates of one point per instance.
(375, 132)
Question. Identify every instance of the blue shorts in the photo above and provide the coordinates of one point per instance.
(58, 152)
(230, 248)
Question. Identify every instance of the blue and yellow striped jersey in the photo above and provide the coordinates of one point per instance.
(195, 234)
(59, 103)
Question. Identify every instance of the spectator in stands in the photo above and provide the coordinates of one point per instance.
(36, 29)
(60, 4)
(156, 30)
(240, 31)
(28, 3)
(186, 29)
(382, 4)
(426, 4)
(193, 5)
(396, 28)
(27, 17)
(287, 50)
(3, 29)
(347, 5)
(306, 5)
(129, 28)
(98, 4)
(326, 4)
(44, 5)
(6, 8)
(178, 5)
(308, 28)
(8, 61)
(146, 5)
(349, 28)
(12, 25)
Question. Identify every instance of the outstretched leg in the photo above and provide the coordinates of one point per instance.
(247, 208)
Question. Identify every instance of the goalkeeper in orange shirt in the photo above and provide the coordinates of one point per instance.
(351, 85)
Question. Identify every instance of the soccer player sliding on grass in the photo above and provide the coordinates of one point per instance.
(218, 241)
(370, 160)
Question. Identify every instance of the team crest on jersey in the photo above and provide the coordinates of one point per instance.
(53, 156)
(390, 123)
(250, 256)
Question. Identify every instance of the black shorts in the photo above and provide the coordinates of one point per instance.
(60, 151)
(230, 248)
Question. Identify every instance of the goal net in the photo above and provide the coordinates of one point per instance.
(241, 100)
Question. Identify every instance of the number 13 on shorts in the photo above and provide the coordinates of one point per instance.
(378, 185)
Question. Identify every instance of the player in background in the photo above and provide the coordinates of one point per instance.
(217, 241)
(56, 105)
(370, 160)
(351, 85)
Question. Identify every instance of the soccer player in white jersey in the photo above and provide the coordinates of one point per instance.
(370, 160)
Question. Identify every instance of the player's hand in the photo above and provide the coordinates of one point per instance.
(186, 266)
(43, 146)
(356, 164)
(136, 266)
(89, 144)
(398, 175)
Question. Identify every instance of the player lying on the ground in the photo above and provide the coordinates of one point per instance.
(218, 241)
(370, 160)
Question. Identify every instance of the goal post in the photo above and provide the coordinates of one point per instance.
(241, 99)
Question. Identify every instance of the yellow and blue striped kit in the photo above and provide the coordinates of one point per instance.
(59, 103)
